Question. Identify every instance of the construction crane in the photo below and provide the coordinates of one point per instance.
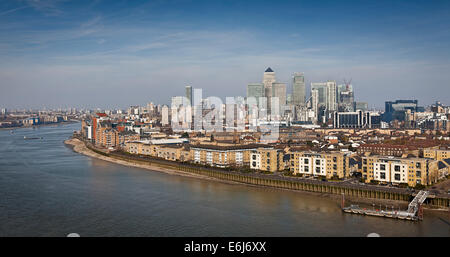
(347, 84)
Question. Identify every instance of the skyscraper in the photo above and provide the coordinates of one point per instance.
(298, 89)
(268, 80)
(321, 93)
(331, 96)
(279, 91)
(255, 90)
(315, 103)
(189, 95)
(345, 97)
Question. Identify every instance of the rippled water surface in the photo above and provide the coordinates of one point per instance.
(46, 189)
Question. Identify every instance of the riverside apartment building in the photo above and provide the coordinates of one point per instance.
(321, 164)
(267, 159)
(411, 171)
(222, 155)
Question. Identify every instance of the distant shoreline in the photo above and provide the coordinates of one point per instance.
(42, 125)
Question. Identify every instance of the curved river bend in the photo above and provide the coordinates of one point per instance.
(47, 189)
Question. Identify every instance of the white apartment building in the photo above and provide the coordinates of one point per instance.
(314, 165)
(255, 161)
(390, 172)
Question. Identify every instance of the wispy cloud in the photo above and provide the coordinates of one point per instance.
(47, 7)
(13, 10)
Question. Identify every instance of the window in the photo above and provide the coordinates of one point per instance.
(365, 161)
(317, 162)
(397, 168)
(334, 159)
(418, 165)
(306, 168)
(397, 176)
(318, 169)
(382, 166)
(254, 157)
(306, 161)
(382, 175)
(334, 167)
(418, 173)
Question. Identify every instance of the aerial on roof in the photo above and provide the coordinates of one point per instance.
(269, 70)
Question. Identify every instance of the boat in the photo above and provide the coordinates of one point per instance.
(30, 138)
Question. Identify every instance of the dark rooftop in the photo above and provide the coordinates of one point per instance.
(230, 147)
(269, 70)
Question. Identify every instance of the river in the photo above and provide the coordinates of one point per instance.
(46, 189)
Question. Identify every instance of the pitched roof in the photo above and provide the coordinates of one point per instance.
(269, 70)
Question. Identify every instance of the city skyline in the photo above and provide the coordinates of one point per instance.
(59, 54)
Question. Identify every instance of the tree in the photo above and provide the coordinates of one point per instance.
(185, 135)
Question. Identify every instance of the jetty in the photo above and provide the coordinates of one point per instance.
(413, 213)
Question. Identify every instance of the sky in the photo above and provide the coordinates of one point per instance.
(113, 54)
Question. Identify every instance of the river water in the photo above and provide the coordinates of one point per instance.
(46, 189)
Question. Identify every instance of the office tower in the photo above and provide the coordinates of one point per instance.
(255, 90)
(397, 110)
(321, 93)
(345, 97)
(189, 95)
(331, 96)
(279, 91)
(298, 89)
(268, 80)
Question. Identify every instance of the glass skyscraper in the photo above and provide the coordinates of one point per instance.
(298, 89)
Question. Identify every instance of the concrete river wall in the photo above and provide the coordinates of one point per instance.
(354, 191)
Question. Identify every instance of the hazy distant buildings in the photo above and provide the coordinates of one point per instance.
(255, 90)
(165, 115)
(321, 93)
(279, 91)
(178, 101)
(363, 106)
(315, 101)
(189, 95)
(331, 96)
(298, 89)
(345, 97)
(397, 110)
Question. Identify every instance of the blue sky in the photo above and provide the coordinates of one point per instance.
(118, 53)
